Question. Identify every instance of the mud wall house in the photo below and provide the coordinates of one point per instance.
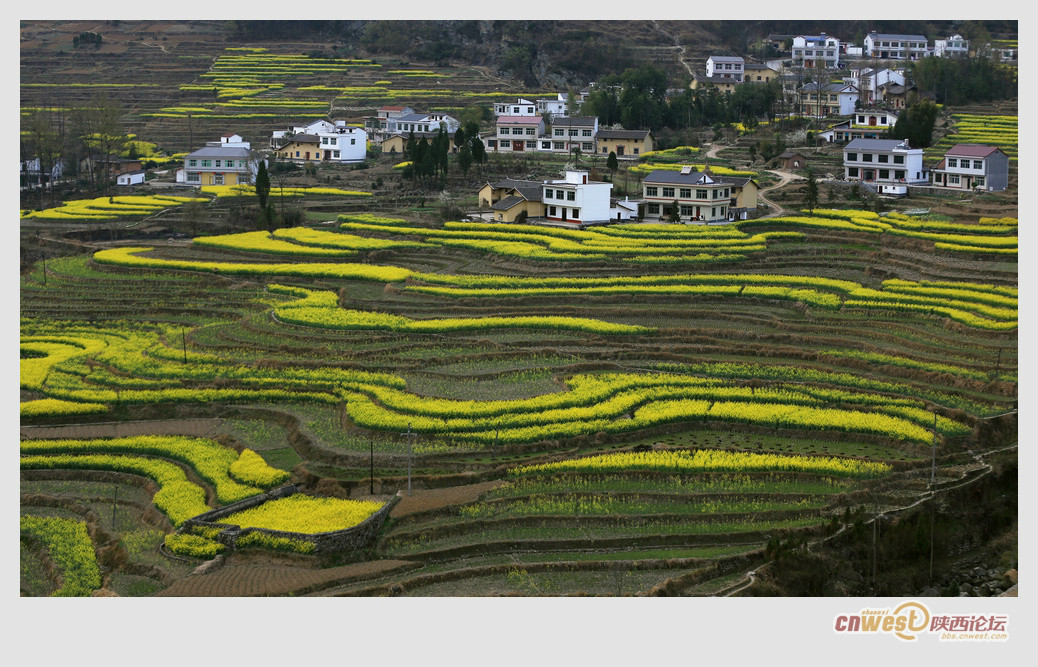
(701, 81)
(884, 161)
(756, 73)
(699, 196)
(972, 166)
(791, 160)
(625, 143)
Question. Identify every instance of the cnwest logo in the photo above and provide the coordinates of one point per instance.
(905, 621)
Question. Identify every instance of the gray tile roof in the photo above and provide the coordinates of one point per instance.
(574, 121)
(220, 152)
(412, 118)
(727, 59)
(900, 38)
(507, 203)
(874, 144)
(623, 134)
(674, 177)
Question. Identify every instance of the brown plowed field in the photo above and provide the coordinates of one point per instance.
(194, 427)
(257, 580)
(432, 499)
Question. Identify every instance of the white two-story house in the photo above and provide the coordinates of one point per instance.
(517, 107)
(896, 47)
(726, 67)
(575, 198)
(225, 162)
(322, 141)
(699, 196)
(516, 133)
(827, 99)
(571, 132)
(884, 162)
(955, 46)
(816, 51)
(970, 166)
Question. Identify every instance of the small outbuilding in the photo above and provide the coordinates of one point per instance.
(130, 178)
(792, 160)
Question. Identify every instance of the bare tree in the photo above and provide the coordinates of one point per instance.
(44, 143)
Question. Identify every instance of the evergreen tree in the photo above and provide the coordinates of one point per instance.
(611, 163)
(811, 193)
(262, 184)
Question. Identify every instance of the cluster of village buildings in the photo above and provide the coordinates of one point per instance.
(869, 97)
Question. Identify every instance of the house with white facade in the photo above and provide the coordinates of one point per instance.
(699, 196)
(864, 124)
(884, 162)
(827, 99)
(516, 133)
(955, 46)
(896, 47)
(321, 141)
(816, 51)
(868, 81)
(130, 178)
(577, 199)
(571, 132)
(553, 107)
(972, 166)
(726, 67)
(518, 107)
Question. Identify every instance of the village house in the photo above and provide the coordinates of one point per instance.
(889, 164)
(868, 81)
(972, 166)
(725, 67)
(553, 107)
(701, 81)
(395, 144)
(816, 51)
(757, 73)
(864, 124)
(951, 47)
(576, 199)
(508, 198)
(225, 162)
(516, 134)
(377, 126)
(130, 178)
(518, 107)
(828, 99)
(321, 141)
(790, 159)
(896, 96)
(625, 143)
(896, 47)
(568, 133)
(699, 196)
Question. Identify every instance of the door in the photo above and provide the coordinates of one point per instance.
(564, 213)
(619, 151)
(518, 145)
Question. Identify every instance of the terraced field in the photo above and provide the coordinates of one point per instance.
(635, 427)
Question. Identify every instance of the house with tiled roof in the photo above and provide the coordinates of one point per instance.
(972, 166)
(699, 196)
(571, 132)
(700, 81)
(828, 99)
(225, 162)
(321, 141)
(864, 124)
(625, 143)
(884, 162)
(888, 46)
(758, 73)
(725, 67)
(816, 51)
(516, 134)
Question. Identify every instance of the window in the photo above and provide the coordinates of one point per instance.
(515, 110)
(953, 179)
(883, 158)
(978, 164)
(531, 144)
(653, 209)
(866, 157)
(217, 179)
(529, 109)
(551, 211)
(668, 192)
(571, 196)
(545, 145)
(884, 173)
(559, 145)
(952, 162)
(899, 174)
(605, 149)
(700, 194)
(585, 133)
(336, 153)
(651, 191)
(297, 153)
(193, 177)
(686, 193)
(636, 151)
(978, 181)
(727, 192)
(573, 133)
(686, 211)
(882, 120)
(587, 146)
(217, 164)
(576, 212)
(899, 159)
(334, 141)
(531, 131)
(209, 163)
(353, 142)
(852, 172)
(560, 133)
(324, 141)
(506, 143)
(504, 131)
(192, 163)
(861, 120)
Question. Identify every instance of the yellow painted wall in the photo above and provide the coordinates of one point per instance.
(611, 145)
(534, 209)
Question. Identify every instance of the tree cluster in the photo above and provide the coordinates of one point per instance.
(964, 80)
(916, 124)
(85, 38)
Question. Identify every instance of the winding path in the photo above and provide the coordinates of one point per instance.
(677, 45)
(784, 178)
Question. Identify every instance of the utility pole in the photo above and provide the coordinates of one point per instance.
(183, 338)
(371, 464)
(933, 464)
(115, 501)
(410, 450)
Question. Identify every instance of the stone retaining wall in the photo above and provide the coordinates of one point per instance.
(348, 539)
